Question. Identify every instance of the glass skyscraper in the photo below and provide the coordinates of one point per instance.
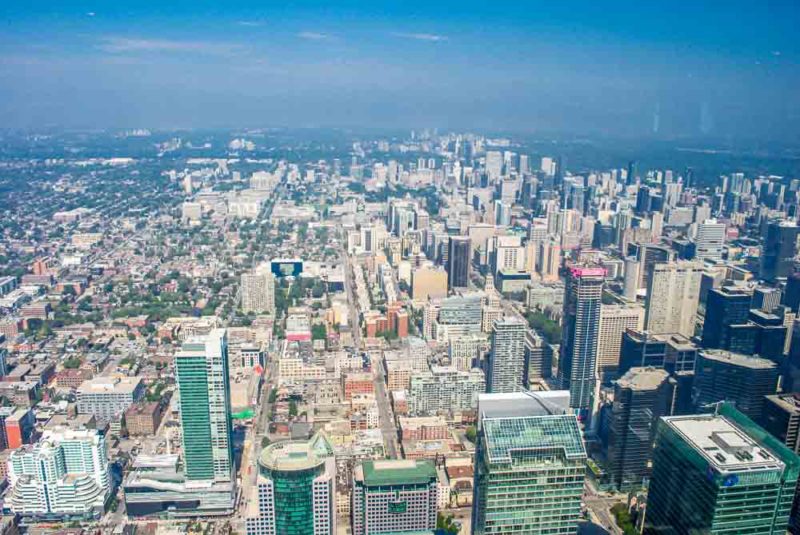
(530, 465)
(582, 303)
(202, 373)
(296, 489)
(719, 474)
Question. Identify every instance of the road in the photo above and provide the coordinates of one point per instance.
(599, 506)
(388, 427)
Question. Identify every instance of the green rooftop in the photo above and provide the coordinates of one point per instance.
(504, 435)
(395, 472)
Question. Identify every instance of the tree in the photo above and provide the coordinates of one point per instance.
(447, 524)
(471, 434)
(319, 332)
(72, 363)
(292, 408)
(273, 395)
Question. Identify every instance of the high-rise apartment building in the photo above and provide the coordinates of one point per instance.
(673, 293)
(641, 396)
(614, 321)
(296, 489)
(108, 398)
(529, 465)
(394, 497)
(459, 256)
(444, 389)
(579, 339)
(64, 475)
(506, 364)
(719, 473)
(709, 241)
(201, 367)
(258, 291)
(743, 380)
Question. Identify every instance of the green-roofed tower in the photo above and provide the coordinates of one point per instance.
(394, 497)
(530, 465)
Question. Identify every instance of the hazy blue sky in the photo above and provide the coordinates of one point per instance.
(560, 65)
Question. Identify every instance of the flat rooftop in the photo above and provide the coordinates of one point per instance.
(643, 378)
(395, 472)
(115, 385)
(723, 444)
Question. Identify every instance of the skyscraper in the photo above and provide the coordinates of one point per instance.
(719, 473)
(394, 497)
(614, 321)
(506, 365)
(673, 293)
(579, 339)
(725, 307)
(296, 489)
(779, 249)
(201, 367)
(709, 241)
(529, 465)
(641, 396)
(459, 256)
(781, 418)
(741, 379)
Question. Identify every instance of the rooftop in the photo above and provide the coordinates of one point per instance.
(395, 472)
(296, 455)
(643, 378)
(737, 359)
(723, 444)
(529, 421)
(116, 385)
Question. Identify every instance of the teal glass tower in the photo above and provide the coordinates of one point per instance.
(719, 474)
(202, 372)
(530, 465)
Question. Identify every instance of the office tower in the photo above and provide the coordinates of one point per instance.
(456, 317)
(779, 250)
(709, 241)
(258, 291)
(296, 489)
(673, 293)
(631, 281)
(641, 397)
(741, 379)
(524, 164)
(529, 464)
(394, 497)
(428, 282)
(630, 178)
(770, 335)
(494, 165)
(781, 418)
(459, 256)
(201, 368)
(792, 297)
(725, 307)
(538, 361)
(719, 473)
(673, 352)
(506, 366)
(648, 255)
(581, 322)
(766, 299)
(614, 321)
(65, 475)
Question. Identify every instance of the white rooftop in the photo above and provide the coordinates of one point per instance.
(723, 444)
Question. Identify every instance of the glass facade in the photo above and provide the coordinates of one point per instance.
(690, 494)
(529, 475)
(195, 418)
(294, 499)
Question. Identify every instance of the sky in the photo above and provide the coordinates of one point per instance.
(668, 70)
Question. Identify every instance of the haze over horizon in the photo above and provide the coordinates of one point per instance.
(722, 71)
